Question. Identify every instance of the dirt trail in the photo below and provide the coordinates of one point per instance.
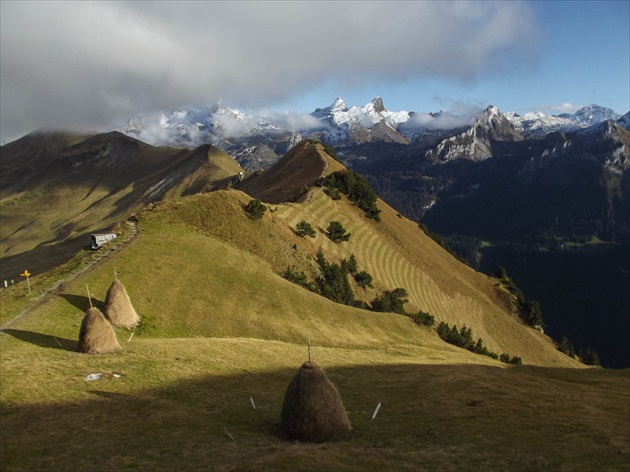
(57, 286)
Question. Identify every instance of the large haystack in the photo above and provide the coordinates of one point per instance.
(118, 308)
(312, 409)
(97, 335)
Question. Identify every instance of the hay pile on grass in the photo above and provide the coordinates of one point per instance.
(312, 409)
(118, 308)
(97, 335)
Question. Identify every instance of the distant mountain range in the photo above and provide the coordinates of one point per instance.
(259, 140)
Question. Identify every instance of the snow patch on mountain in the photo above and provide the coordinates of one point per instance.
(367, 116)
(538, 124)
(259, 138)
(591, 115)
(475, 143)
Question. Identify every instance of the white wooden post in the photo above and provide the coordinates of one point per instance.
(378, 407)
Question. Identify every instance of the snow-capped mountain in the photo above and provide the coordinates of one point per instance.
(591, 115)
(336, 124)
(476, 142)
(368, 115)
(190, 128)
(371, 122)
(257, 140)
(537, 124)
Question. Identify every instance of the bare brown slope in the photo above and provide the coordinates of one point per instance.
(287, 180)
(56, 189)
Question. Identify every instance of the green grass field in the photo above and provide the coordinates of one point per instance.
(220, 326)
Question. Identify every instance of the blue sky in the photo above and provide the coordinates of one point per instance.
(583, 58)
(101, 63)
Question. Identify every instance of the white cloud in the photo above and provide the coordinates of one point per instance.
(566, 107)
(292, 121)
(440, 121)
(92, 64)
(458, 113)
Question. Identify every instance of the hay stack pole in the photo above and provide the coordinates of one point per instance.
(89, 295)
(312, 410)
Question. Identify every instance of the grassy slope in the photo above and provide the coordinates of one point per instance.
(187, 283)
(87, 188)
(398, 254)
(220, 326)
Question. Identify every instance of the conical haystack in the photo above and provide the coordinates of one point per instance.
(97, 335)
(312, 409)
(118, 308)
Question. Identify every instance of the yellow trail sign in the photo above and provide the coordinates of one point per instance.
(28, 282)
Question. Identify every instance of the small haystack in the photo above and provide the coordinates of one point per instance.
(97, 335)
(312, 409)
(118, 308)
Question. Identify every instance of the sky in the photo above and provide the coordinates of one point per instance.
(94, 65)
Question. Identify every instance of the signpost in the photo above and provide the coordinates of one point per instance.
(28, 282)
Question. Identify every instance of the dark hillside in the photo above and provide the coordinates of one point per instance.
(583, 293)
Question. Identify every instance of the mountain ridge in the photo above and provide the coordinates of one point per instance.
(259, 140)
(58, 188)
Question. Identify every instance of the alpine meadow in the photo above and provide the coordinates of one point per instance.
(255, 334)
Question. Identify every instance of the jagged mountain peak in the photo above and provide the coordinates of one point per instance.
(378, 105)
(491, 110)
(339, 105)
(494, 125)
(476, 142)
(592, 114)
(490, 117)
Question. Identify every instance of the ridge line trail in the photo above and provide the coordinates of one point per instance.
(323, 174)
(57, 286)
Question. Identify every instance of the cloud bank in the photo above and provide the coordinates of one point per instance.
(93, 64)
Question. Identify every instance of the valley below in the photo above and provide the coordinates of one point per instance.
(584, 293)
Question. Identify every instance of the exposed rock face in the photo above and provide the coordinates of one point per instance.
(476, 142)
